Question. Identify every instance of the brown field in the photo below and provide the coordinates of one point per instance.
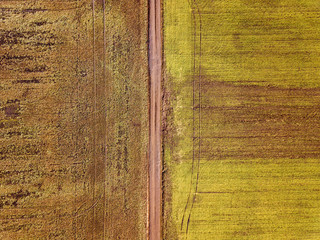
(73, 119)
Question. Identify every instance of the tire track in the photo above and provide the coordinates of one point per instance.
(195, 11)
(193, 115)
(94, 119)
(199, 146)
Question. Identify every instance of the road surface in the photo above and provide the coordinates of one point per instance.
(155, 59)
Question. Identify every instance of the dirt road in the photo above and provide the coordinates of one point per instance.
(155, 59)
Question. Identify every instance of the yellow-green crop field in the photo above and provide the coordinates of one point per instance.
(241, 149)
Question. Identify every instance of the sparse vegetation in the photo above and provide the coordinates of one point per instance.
(74, 119)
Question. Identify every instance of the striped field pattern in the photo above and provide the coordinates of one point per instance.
(242, 83)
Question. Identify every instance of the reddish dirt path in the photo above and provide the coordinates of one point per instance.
(155, 58)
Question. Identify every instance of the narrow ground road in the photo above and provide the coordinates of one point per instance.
(155, 58)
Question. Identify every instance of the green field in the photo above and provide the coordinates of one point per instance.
(241, 149)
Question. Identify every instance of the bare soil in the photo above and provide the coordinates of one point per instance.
(155, 59)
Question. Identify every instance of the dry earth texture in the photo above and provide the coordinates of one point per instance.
(73, 119)
(242, 132)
